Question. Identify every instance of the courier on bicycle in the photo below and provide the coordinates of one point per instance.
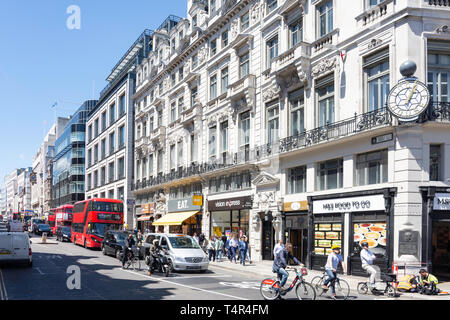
(331, 268)
(281, 262)
(367, 258)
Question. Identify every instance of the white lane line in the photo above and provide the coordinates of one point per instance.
(194, 277)
(39, 270)
(1, 290)
(183, 285)
(5, 293)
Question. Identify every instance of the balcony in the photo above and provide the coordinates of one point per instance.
(441, 3)
(375, 13)
(437, 112)
(290, 58)
(158, 135)
(240, 87)
(327, 41)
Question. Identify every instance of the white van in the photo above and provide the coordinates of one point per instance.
(15, 248)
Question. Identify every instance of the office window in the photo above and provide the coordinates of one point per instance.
(138, 131)
(180, 153)
(111, 194)
(160, 118)
(152, 124)
(112, 142)
(224, 136)
(89, 157)
(96, 127)
(194, 21)
(96, 153)
(272, 5)
(121, 137)
(112, 114)
(173, 160)
(144, 128)
(180, 106)
(150, 165)
(144, 168)
(372, 3)
(160, 164)
(272, 50)
(111, 172)
(295, 33)
(326, 103)
(103, 148)
(224, 80)
(194, 61)
(103, 176)
(212, 6)
(297, 112)
(180, 74)
(376, 70)
(297, 180)
(160, 88)
(95, 178)
(439, 76)
(212, 141)
(245, 21)
(273, 122)
(173, 79)
(121, 193)
(122, 105)
(224, 39)
(193, 148)
(89, 181)
(213, 47)
(173, 112)
(372, 168)
(104, 121)
(325, 18)
(330, 174)
(244, 128)
(121, 167)
(173, 45)
(193, 95)
(435, 162)
(213, 87)
(244, 65)
(90, 133)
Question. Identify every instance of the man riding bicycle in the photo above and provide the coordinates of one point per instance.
(129, 243)
(281, 262)
(331, 268)
(367, 258)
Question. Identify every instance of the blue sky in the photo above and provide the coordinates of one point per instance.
(43, 62)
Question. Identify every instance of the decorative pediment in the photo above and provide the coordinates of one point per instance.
(291, 5)
(264, 200)
(324, 67)
(272, 93)
(265, 179)
(374, 43)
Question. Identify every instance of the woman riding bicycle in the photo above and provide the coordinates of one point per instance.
(331, 268)
(280, 263)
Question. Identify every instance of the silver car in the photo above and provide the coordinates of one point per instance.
(183, 251)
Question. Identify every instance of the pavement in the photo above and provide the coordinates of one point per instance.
(264, 269)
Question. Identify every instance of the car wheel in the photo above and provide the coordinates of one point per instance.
(118, 254)
(104, 250)
(85, 244)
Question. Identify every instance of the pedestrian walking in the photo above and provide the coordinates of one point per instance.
(195, 237)
(219, 249)
(234, 247)
(248, 250)
(211, 247)
(243, 248)
(228, 248)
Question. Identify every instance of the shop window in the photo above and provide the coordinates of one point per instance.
(297, 180)
(435, 162)
(325, 236)
(372, 168)
(330, 174)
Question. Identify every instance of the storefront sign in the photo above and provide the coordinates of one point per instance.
(180, 205)
(148, 208)
(230, 204)
(442, 201)
(198, 201)
(355, 204)
(383, 138)
(296, 206)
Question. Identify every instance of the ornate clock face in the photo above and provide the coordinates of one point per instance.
(408, 99)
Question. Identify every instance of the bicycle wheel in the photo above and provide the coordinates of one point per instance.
(363, 288)
(391, 291)
(136, 264)
(268, 289)
(342, 288)
(305, 291)
(317, 283)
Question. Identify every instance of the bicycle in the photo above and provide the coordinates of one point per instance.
(341, 286)
(133, 259)
(270, 288)
(388, 279)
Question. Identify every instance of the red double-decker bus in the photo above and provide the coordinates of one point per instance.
(64, 216)
(52, 220)
(92, 218)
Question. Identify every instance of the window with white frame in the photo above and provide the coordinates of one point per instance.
(194, 21)
(180, 74)
(180, 153)
(271, 5)
(435, 162)
(224, 137)
(295, 33)
(297, 112)
(439, 71)
(173, 112)
(272, 50)
(173, 160)
(372, 3)
(224, 39)
(244, 65)
(245, 21)
(212, 6)
(244, 129)
(325, 18)
(213, 87)
(180, 106)
(194, 61)
(160, 118)
(160, 163)
(194, 92)
(193, 148)
(213, 47)
(150, 165)
(173, 79)
(325, 98)
(372, 168)
(273, 122)
(376, 72)
(144, 168)
(224, 80)
(152, 124)
(297, 180)
(111, 174)
(330, 174)
(212, 142)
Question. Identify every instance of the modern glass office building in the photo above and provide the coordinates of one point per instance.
(68, 164)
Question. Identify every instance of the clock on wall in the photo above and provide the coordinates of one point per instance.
(409, 98)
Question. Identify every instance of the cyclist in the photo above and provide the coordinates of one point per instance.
(331, 269)
(367, 258)
(129, 243)
(281, 262)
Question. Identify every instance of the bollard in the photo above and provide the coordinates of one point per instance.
(44, 237)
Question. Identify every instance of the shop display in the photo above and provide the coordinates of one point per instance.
(326, 235)
(372, 233)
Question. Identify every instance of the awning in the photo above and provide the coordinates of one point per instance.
(174, 219)
(144, 218)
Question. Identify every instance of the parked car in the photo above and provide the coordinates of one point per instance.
(63, 233)
(35, 225)
(184, 253)
(41, 228)
(114, 241)
(15, 248)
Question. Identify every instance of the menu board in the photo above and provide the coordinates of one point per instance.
(372, 233)
(326, 235)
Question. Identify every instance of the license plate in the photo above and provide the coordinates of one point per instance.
(193, 267)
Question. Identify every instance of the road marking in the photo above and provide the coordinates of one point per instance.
(39, 270)
(194, 277)
(242, 285)
(4, 293)
(186, 286)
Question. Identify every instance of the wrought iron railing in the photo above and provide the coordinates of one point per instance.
(438, 111)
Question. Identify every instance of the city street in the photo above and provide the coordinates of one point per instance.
(102, 278)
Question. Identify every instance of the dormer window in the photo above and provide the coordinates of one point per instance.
(212, 6)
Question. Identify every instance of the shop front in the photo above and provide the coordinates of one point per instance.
(146, 217)
(296, 227)
(350, 220)
(184, 216)
(436, 231)
(230, 216)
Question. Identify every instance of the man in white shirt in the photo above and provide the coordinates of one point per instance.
(367, 258)
(278, 247)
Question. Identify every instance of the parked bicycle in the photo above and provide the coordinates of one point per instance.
(271, 290)
(133, 259)
(388, 279)
(341, 286)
